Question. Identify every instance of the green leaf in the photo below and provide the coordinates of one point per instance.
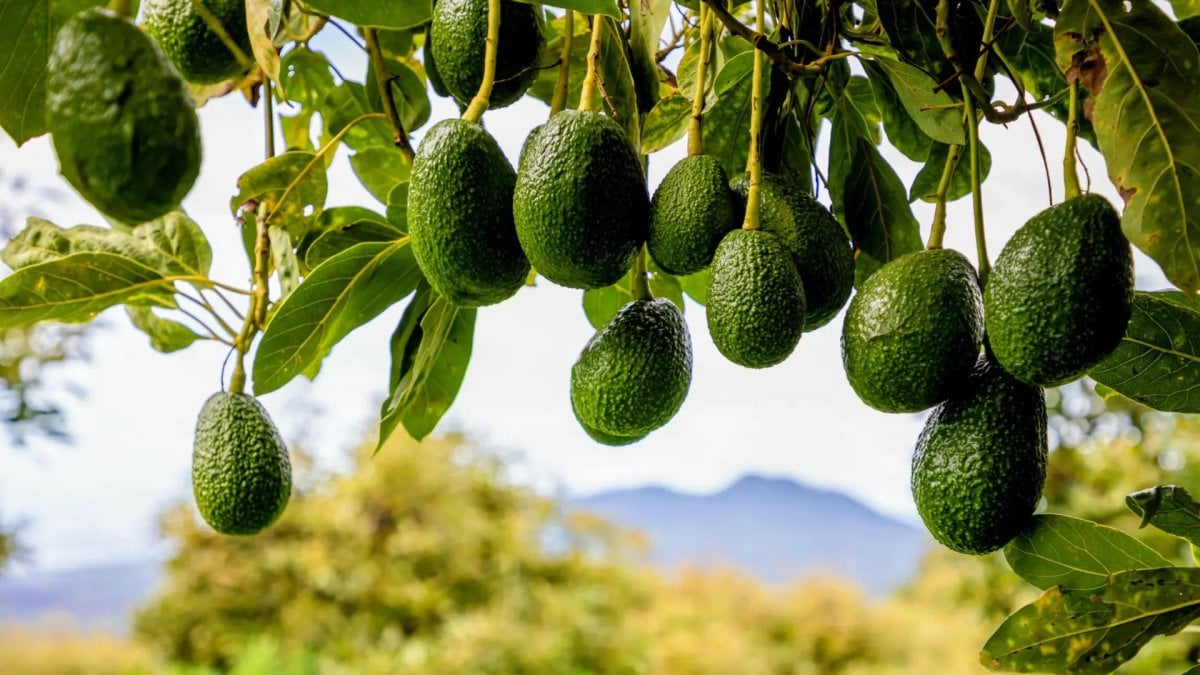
(432, 363)
(666, 123)
(1021, 13)
(1170, 508)
(397, 207)
(902, 131)
(408, 93)
(165, 335)
(1146, 117)
(306, 77)
(696, 286)
(283, 261)
(685, 74)
(180, 240)
(1076, 554)
(1095, 631)
(338, 296)
(344, 226)
(77, 287)
(619, 97)
(543, 86)
(727, 121)
(1031, 56)
(925, 184)
(647, 19)
(380, 170)
(1157, 362)
(290, 189)
(930, 110)
(605, 7)
(1185, 8)
(347, 102)
(376, 14)
(27, 31)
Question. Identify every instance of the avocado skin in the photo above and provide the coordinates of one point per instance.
(1060, 295)
(912, 333)
(460, 221)
(980, 462)
(459, 34)
(634, 374)
(431, 69)
(690, 212)
(580, 202)
(195, 49)
(756, 299)
(122, 121)
(817, 241)
(241, 474)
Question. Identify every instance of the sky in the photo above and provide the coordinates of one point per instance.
(97, 499)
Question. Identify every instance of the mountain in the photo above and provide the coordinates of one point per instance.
(99, 597)
(772, 528)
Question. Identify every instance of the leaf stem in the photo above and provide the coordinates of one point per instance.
(562, 85)
(1070, 174)
(212, 334)
(591, 82)
(754, 156)
(268, 118)
(383, 79)
(938, 231)
(641, 280)
(256, 318)
(203, 304)
(696, 125)
(479, 104)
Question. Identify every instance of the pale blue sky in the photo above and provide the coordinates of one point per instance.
(97, 500)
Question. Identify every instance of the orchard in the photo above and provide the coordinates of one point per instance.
(774, 240)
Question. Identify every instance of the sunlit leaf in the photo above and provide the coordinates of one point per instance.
(1076, 554)
(666, 123)
(261, 24)
(605, 7)
(344, 226)
(77, 287)
(925, 184)
(933, 112)
(290, 189)
(727, 121)
(380, 170)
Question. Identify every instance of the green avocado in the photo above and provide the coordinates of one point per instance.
(756, 299)
(459, 36)
(817, 241)
(192, 45)
(1061, 293)
(980, 462)
(580, 202)
(431, 70)
(691, 211)
(460, 217)
(634, 374)
(241, 474)
(913, 332)
(123, 124)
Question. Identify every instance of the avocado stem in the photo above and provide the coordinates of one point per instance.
(479, 104)
(1070, 174)
(754, 156)
(383, 79)
(981, 253)
(563, 84)
(591, 81)
(256, 317)
(938, 230)
(696, 125)
(268, 119)
(641, 279)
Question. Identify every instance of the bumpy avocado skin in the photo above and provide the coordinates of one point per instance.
(460, 221)
(817, 241)
(122, 121)
(913, 331)
(634, 374)
(980, 463)
(1060, 295)
(431, 69)
(756, 299)
(195, 49)
(241, 474)
(691, 211)
(580, 202)
(459, 34)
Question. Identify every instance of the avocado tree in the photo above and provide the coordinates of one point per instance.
(735, 226)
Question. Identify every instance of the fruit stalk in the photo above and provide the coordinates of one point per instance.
(256, 318)
(973, 138)
(384, 81)
(754, 157)
(268, 119)
(591, 82)
(938, 231)
(1070, 174)
(214, 24)
(479, 104)
(696, 126)
(563, 84)
(641, 280)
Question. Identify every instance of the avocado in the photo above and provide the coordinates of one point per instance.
(459, 35)
(756, 299)
(1061, 293)
(912, 333)
(194, 47)
(691, 211)
(431, 70)
(241, 474)
(634, 374)
(817, 241)
(580, 202)
(122, 121)
(980, 462)
(460, 217)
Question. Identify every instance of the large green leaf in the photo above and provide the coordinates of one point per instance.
(1170, 508)
(341, 227)
(380, 170)
(932, 111)
(605, 7)
(646, 21)
(27, 30)
(338, 296)
(79, 286)
(376, 14)
(180, 240)
(408, 92)
(1147, 121)
(902, 131)
(925, 184)
(305, 76)
(1185, 8)
(1095, 631)
(666, 123)
(166, 335)
(290, 189)
(1158, 360)
(1076, 554)
(345, 103)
